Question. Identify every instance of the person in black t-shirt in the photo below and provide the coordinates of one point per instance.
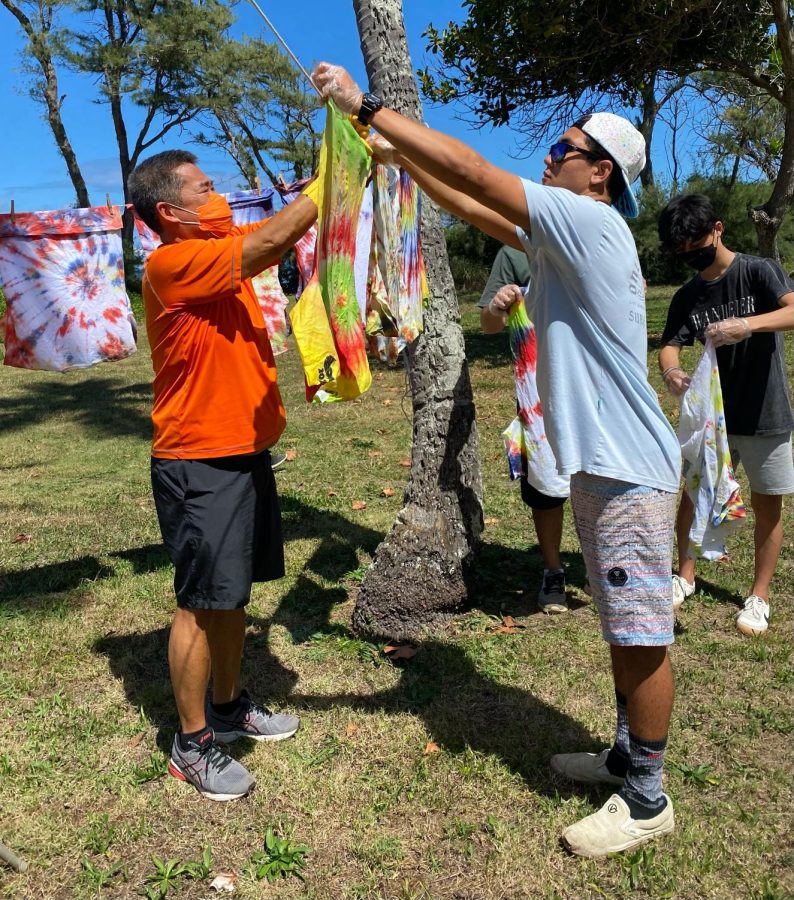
(736, 300)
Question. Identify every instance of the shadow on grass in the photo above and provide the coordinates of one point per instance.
(491, 350)
(101, 406)
(35, 590)
(465, 710)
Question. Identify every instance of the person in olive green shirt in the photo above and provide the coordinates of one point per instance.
(511, 267)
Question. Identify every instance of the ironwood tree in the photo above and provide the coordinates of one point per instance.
(514, 58)
(421, 571)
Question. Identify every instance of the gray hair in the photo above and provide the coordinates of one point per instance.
(155, 180)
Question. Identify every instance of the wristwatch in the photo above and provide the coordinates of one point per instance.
(370, 104)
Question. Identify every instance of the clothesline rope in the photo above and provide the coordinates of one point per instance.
(284, 44)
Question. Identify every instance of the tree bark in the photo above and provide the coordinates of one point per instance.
(39, 48)
(421, 572)
(769, 217)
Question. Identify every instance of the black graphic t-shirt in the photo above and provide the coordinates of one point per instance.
(752, 372)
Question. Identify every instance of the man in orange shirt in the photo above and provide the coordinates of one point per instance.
(217, 410)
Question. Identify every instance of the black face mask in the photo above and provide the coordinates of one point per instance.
(700, 258)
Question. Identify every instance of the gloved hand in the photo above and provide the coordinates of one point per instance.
(729, 331)
(503, 299)
(676, 380)
(383, 151)
(334, 83)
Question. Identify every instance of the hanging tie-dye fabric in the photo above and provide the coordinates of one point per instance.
(384, 282)
(413, 294)
(248, 208)
(149, 239)
(62, 274)
(344, 166)
(363, 247)
(307, 245)
(526, 445)
(708, 478)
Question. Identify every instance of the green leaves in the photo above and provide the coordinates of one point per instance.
(281, 858)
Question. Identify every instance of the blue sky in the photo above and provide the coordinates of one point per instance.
(33, 173)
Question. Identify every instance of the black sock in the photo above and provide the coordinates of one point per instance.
(618, 761)
(226, 709)
(193, 736)
(641, 811)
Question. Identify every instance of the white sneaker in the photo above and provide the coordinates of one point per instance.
(681, 590)
(586, 768)
(754, 618)
(551, 596)
(612, 829)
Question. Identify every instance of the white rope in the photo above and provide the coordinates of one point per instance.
(284, 44)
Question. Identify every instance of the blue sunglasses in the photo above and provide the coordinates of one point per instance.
(558, 151)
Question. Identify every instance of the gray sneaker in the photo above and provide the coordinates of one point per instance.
(586, 768)
(551, 596)
(213, 773)
(253, 721)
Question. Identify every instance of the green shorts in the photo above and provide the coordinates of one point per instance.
(767, 461)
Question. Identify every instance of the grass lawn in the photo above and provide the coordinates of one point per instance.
(427, 780)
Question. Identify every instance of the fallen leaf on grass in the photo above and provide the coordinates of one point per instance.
(22, 539)
(400, 651)
(226, 882)
(387, 492)
(351, 729)
(405, 463)
(374, 454)
(491, 520)
(291, 455)
(431, 747)
(358, 504)
(508, 626)
(386, 402)
(137, 739)
(332, 494)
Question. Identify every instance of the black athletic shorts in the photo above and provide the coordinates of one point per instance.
(533, 498)
(221, 525)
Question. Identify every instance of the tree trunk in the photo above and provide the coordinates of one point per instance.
(769, 217)
(648, 112)
(421, 570)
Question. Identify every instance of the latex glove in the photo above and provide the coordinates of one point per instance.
(504, 299)
(334, 83)
(729, 331)
(382, 150)
(677, 382)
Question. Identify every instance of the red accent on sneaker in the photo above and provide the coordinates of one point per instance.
(172, 770)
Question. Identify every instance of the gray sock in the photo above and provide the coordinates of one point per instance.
(642, 789)
(618, 758)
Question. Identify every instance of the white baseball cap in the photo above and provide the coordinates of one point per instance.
(626, 146)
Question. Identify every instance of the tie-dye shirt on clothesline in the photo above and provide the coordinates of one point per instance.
(708, 478)
(62, 273)
(248, 208)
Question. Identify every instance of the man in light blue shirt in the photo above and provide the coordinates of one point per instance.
(603, 419)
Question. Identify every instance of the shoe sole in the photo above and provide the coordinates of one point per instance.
(177, 773)
(583, 779)
(227, 737)
(278, 465)
(750, 631)
(553, 609)
(627, 845)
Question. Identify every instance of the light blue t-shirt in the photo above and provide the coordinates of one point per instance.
(588, 304)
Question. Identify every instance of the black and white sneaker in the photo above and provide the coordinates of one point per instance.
(551, 596)
(253, 721)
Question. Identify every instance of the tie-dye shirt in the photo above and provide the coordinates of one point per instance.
(708, 473)
(62, 273)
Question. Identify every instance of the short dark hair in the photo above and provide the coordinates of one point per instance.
(155, 180)
(616, 183)
(686, 218)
